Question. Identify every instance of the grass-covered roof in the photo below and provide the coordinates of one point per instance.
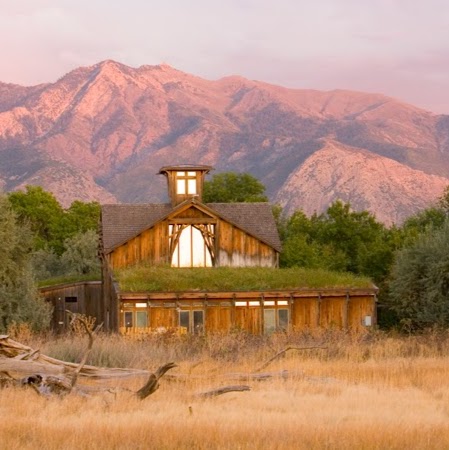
(158, 279)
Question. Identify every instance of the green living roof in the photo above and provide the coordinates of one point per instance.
(160, 279)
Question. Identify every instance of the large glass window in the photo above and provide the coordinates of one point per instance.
(189, 247)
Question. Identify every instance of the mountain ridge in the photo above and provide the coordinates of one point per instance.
(109, 127)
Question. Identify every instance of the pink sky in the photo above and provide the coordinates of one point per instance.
(396, 47)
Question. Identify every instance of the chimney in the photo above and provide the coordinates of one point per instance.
(185, 181)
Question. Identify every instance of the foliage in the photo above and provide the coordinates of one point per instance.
(81, 253)
(230, 187)
(340, 239)
(49, 222)
(161, 278)
(46, 264)
(419, 289)
(20, 302)
(424, 221)
(42, 212)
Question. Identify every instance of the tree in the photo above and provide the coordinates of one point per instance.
(340, 239)
(419, 287)
(42, 213)
(81, 217)
(230, 187)
(20, 301)
(50, 223)
(81, 254)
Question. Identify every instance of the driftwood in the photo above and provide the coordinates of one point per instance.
(153, 382)
(12, 353)
(90, 334)
(223, 390)
(49, 376)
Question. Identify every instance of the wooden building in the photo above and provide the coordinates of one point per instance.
(189, 233)
(254, 312)
(184, 233)
(83, 297)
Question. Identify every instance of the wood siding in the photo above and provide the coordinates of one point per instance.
(223, 311)
(234, 247)
(83, 298)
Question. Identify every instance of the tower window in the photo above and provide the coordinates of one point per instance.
(186, 183)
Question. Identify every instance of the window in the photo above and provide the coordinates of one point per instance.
(141, 319)
(71, 299)
(189, 247)
(186, 183)
(283, 319)
(128, 319)
(275, 319)
(192, 321)
(269, 321)
(135, 315)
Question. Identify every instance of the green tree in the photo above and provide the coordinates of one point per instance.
(50, 223)
(230, 187)
(42, 213)
(81, 254)
(340, 239)
(419, 286)
(80, 217)
(424, 221)
(20, 301)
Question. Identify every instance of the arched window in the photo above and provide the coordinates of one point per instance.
(191, 245)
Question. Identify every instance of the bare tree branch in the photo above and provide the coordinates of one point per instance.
(282, 352)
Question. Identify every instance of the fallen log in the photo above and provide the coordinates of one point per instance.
(223, 390)
(49, 376)
(153, 382)
(20, 359)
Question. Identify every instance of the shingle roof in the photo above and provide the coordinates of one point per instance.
(255, 218)
(122, 222)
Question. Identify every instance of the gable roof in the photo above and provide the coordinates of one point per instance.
(123, 222)
(255, 218)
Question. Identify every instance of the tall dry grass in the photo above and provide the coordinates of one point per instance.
(370, 391)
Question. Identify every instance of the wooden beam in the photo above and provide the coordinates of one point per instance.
(193, 220)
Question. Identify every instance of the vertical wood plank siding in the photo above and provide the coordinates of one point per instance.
(83, 298)
(234, 248)
(245, 311)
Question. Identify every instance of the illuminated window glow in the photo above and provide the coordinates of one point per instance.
(190, 248)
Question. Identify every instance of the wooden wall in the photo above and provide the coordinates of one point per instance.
(236, 248)
(83, 298)
(151, 245)
(247, 311)
(221, 311)
(233, 246)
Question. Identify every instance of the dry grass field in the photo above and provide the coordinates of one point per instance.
(359, 392)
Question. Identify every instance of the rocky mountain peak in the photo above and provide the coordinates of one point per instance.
(103, 131)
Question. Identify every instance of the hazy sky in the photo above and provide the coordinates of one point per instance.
(396, 47)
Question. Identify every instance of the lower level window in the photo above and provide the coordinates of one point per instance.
(275, 320)
(192, 321)
(138, 319)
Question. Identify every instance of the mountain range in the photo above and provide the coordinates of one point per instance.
(102, 133)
